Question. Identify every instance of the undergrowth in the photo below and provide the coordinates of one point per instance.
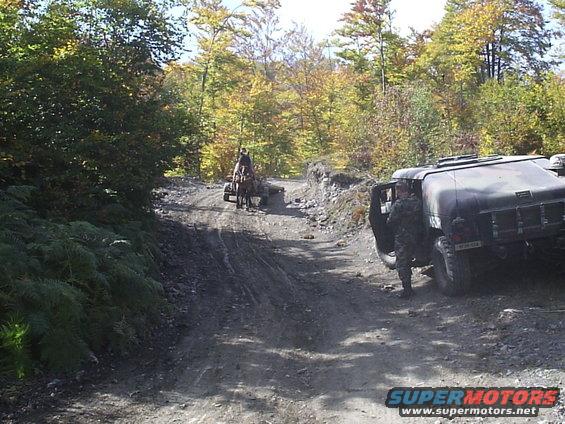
(69, 288)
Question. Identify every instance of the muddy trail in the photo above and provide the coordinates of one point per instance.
(284, 323)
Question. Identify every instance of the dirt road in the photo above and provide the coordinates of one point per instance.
(283, 329)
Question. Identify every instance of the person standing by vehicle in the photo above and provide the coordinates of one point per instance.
(404, 219)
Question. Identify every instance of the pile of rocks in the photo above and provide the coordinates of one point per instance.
(338, 202)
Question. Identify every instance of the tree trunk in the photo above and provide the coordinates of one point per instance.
(487, 54)
(499, 59)
(493, 59)
(382, 55)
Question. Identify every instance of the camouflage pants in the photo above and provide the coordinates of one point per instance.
(404, 250)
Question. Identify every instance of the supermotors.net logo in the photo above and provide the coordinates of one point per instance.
(452, 402)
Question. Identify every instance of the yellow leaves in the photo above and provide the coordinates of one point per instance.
(209, 17)
(477, 25)
(66, 50)
(218, 159)
(519, 116)
(487, 146)
(11, 4)
(461, 38)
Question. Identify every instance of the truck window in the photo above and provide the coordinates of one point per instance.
(386, 199)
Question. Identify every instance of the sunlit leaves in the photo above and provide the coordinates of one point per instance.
(522, 116)
(478, 40)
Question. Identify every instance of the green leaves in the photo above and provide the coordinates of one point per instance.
(14, 345)
(367, 39)
(521, 116)
(480, 40)
(80, 113)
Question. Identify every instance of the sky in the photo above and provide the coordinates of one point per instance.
(321, 17)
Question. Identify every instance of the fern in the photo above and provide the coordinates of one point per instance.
(62, 350)
(124, 335)
(22, 193)
(70, 261)
(15, 358)
(74, 286)
(100, 324)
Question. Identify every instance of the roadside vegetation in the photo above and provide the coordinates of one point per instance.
(96, 105)
(84, 133)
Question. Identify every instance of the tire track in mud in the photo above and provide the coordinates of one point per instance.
(231, 240)
(219, 224)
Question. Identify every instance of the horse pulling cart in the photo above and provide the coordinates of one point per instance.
(262, 189)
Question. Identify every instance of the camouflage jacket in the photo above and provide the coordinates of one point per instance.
(406, 218)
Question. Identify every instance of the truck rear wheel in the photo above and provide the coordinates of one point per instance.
(452, 269)
(226, 197)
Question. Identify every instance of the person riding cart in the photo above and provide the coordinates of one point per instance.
(260, 187)
(243, 181)
(244, 161)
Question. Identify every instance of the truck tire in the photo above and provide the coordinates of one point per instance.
(226, 197)
(452, 269)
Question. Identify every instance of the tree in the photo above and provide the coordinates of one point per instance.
(520, 116)
(483, 39)
(85, 131)
(81, 112)
(385, 100)
(261, 40)
(306, 73)
(367, 39)
(215, 28)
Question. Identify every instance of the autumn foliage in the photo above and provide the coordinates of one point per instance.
(483, 80)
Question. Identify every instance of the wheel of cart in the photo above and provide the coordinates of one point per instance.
(264, 195)
(228, 191)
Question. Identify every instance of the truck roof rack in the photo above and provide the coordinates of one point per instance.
(460, 157)
(464, 160)
(457, 160)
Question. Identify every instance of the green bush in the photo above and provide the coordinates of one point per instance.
(81, 114)
(84, 133)
(520, 116)
(67, 288)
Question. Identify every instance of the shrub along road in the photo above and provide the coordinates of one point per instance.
(280, 327)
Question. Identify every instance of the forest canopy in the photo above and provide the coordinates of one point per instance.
(485, 79)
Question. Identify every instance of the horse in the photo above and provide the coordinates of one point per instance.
(243, 187)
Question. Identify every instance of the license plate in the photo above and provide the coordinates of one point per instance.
(467, 246)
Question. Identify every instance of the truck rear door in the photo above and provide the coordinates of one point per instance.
(382, 198)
